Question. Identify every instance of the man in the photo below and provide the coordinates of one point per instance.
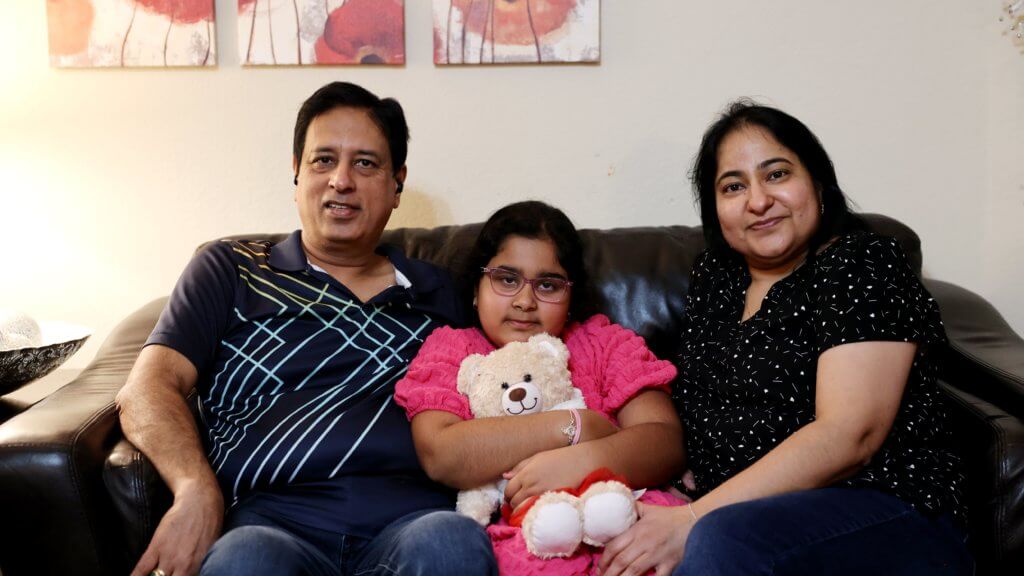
(294, 349)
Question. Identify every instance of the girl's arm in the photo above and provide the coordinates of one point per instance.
(859, 387)
(468, 453)
(616, 365)
(647, 451)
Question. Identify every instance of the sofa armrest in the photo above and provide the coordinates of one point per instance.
(58, 517)
(991, 444)
(986, 356)
(139, 496)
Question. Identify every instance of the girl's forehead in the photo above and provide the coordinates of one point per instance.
(528, 254)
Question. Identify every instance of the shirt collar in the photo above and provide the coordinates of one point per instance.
(288, 256)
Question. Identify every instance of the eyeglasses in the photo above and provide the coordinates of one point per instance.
(506, 282)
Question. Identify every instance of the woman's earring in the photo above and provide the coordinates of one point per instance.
(822, 204)
(474, 301)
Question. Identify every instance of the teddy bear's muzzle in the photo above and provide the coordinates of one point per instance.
(521, 398)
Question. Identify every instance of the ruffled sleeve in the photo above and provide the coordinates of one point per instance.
(430, 383)
(611, 364)
(866, 290)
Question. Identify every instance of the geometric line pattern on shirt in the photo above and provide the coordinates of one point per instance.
(338, 317)
(228, 413)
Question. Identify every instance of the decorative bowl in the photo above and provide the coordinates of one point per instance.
(22, 365)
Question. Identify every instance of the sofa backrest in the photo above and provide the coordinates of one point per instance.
(640, 275)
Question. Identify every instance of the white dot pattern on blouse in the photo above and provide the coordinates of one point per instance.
(744, 387)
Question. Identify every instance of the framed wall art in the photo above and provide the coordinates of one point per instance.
(516, 31)
(122, 33)
(304, 32)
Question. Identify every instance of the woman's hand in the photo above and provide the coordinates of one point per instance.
(550, 470)
(655, 542)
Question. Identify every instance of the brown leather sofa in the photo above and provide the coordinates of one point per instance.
(76, 498)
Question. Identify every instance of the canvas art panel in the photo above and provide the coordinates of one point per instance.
(304, 32)
(111, 33)
(516, 31)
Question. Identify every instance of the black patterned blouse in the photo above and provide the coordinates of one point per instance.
(744, 387)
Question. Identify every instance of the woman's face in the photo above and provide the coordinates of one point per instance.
(767, 203)
(515, 318)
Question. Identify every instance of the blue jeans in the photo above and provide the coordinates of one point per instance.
(835, 531)
(421, 543)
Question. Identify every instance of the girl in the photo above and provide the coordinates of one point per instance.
(526, 276)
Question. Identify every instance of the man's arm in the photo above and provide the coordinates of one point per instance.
(156, 418)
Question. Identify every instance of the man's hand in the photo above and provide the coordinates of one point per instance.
(655, 542)
(185, 533)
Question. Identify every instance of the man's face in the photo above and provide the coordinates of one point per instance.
(347, 187)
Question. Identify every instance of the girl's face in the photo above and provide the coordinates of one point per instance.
(515, 318)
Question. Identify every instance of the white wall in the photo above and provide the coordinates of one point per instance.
(109, 178)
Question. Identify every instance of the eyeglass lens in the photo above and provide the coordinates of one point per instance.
(509, 283)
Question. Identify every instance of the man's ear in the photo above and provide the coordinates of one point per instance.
(400, 177)
(295, 170)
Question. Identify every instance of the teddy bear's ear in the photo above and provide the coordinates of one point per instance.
(467, 372)
(551, 345)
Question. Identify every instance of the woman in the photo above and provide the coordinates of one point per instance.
(815, 428)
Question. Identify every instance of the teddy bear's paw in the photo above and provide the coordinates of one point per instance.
(479, 504)
(553, 528)
(609, 509)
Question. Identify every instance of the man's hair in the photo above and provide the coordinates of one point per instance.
(837, 217)
(386, 113)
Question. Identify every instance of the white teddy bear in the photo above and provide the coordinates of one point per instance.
(526, 378)
(18, 330)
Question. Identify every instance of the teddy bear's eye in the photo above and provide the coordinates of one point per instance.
(527, 378)
(504, 385)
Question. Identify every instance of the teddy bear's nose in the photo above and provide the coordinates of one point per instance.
(517, 394)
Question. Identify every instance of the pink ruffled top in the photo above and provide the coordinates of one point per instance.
(609, 364)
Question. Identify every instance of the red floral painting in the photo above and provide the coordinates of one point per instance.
(103, 33)
(304, 32)
(516, 31)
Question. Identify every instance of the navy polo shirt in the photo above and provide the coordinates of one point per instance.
(296, 381)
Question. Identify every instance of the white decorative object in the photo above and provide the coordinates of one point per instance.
(18, 330)
(31, 350)
(1014, 16)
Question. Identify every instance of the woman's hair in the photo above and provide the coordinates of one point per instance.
(536, 221)
(837, 217)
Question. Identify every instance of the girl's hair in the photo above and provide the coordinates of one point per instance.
(536, 221)
(837, 217)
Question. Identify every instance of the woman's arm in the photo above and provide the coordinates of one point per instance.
(647, 451)
(858, 393)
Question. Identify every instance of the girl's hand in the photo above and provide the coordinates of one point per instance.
(655, 542)
(550, 470)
